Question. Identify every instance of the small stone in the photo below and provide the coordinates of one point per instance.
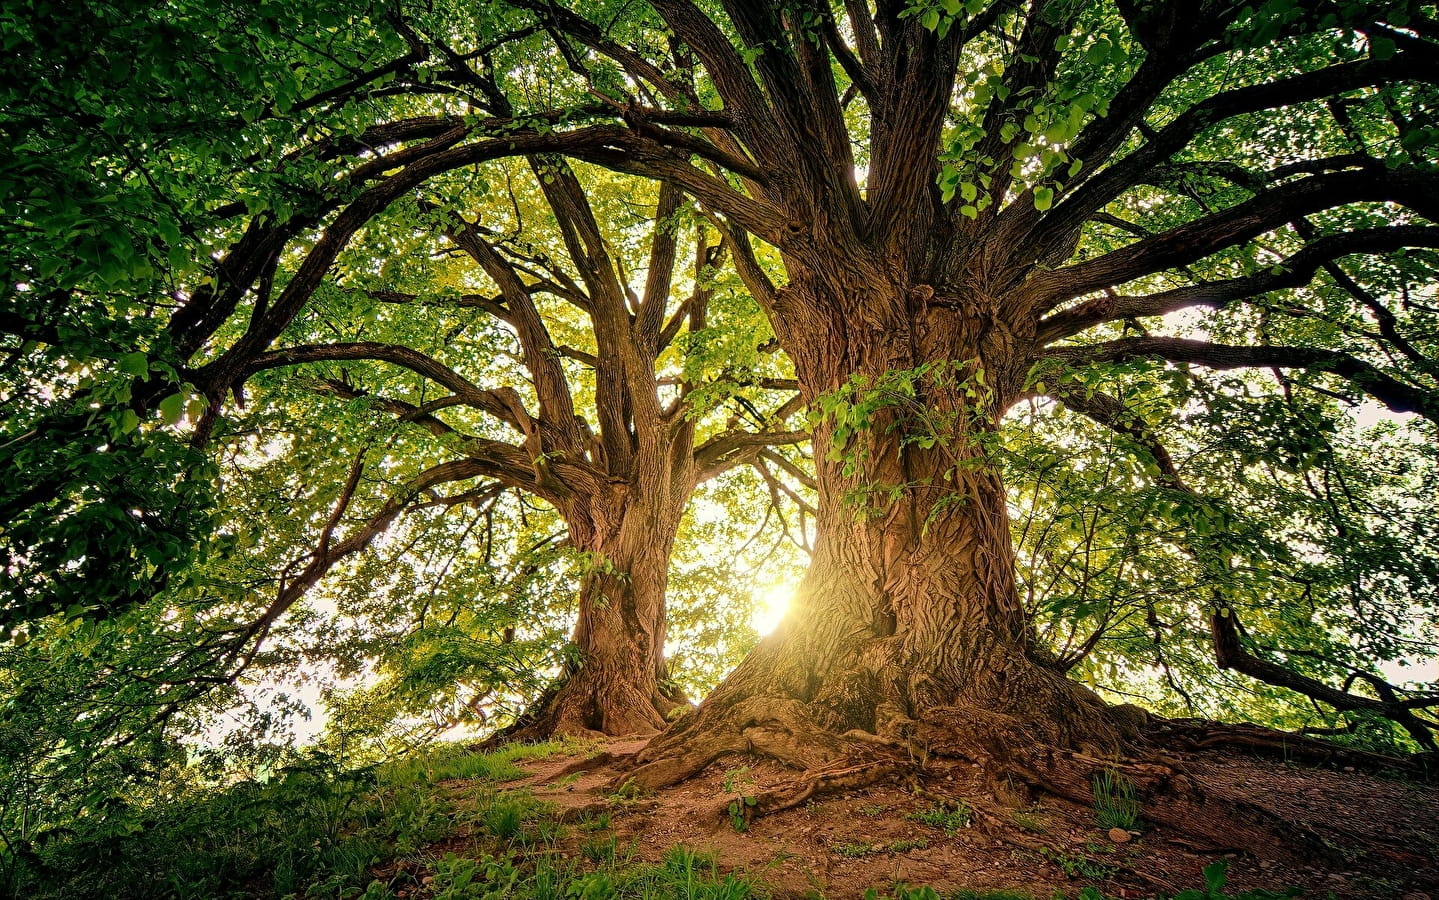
(1349, 768)
(1119, 835)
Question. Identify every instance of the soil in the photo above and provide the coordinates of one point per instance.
(1325, 831)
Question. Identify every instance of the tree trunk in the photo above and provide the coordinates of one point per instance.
(907, 629)
(614, 687)
(614, 683)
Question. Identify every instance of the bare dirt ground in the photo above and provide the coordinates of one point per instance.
(1329, 832)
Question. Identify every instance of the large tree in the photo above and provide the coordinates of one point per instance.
(943, 209)
(321, 233)
(620, 473)
(968, 201)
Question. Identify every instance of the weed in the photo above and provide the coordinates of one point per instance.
(1116, 804)
(1077, 865)
(601, 822)
(739, 783)
(628, 792)
(854, 850)
(872, 811)
(943, 815)
(600, 849)
(1215, 876)
(504, 818)
(903, 892)
(857, 849)
(1033, 822)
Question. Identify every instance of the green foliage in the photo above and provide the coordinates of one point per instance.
(949, 816)
(858, 849)
(1116, 803)
(930, 410)
(1078, 865)
(311, 827)
(739, 783)
(1215, 878)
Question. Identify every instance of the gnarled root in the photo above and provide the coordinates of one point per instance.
(1199, 734)
(777, 729)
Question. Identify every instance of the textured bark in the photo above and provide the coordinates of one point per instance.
(614, 686)
(907, 631)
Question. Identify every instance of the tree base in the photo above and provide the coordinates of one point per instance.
(575, 707)
(1019, 760)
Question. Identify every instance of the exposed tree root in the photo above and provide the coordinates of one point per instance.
(1198, 734)
(568, 708)
(1015, 768)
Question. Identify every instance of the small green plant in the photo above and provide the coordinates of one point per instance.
(741, 807)
(872, 811)
(1116, 804)
(857, 849)
(950, 817)
(504, 818)
(1033, 822)
(902, 891)
(1215, 877)
(1077, 865)
(854, 849)
(628, 792)
(457, 878)
(600, 849)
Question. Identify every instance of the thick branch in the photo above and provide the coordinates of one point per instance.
(1294, 271)
(504, 404)
(1396, 395)
(1269, 210)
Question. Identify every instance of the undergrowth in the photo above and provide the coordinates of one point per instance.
(438, 826)
(313, 829)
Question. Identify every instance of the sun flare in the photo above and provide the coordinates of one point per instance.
(771, 602)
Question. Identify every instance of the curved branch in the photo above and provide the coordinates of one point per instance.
(736, 448)
(504, 404)
(1093, 194)
(1229, 649)
(1294, 271)
(1395, 394)
(1269, 210)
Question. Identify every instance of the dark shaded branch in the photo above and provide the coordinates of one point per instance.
(504, 404)
(1106, 185)
(1395, 394)
(1269, 210)
(1294, 271)
(1229, 649)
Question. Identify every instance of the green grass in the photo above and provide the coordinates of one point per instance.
(313, 830)
(949, 816)
(1116, 803)
(857, 849)
(317, 832)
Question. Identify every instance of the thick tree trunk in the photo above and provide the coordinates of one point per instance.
(907, 629)
(614, 685)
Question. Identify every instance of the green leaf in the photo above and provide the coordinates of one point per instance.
(135, 364)
(1043, 198)
(172, 409)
